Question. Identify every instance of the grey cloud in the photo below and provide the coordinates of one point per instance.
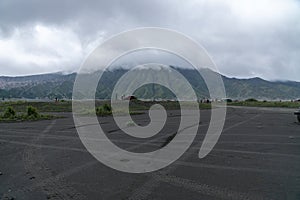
(243, 42)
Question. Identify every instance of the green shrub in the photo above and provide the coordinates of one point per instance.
(9, 113)
(103, 110)
(32, 112)
(107, 107)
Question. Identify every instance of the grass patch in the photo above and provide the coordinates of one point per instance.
(102, 107)
(266, 104)
(31, 114)
(105, 110)
(20, 106)
(136, 105)
(204, 106)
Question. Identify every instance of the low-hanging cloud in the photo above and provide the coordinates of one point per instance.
(245, 38)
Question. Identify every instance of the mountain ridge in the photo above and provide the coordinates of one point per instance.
(60, 85)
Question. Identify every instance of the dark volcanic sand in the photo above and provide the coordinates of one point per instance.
(256, 157)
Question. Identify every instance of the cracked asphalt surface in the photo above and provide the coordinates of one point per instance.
(256, 157)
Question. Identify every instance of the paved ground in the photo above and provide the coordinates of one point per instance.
(257, 157)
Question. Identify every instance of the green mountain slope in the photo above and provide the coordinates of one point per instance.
(60, 86)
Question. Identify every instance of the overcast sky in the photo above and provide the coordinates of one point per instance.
(244, 38)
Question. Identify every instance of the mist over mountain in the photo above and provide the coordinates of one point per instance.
(50, 86)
